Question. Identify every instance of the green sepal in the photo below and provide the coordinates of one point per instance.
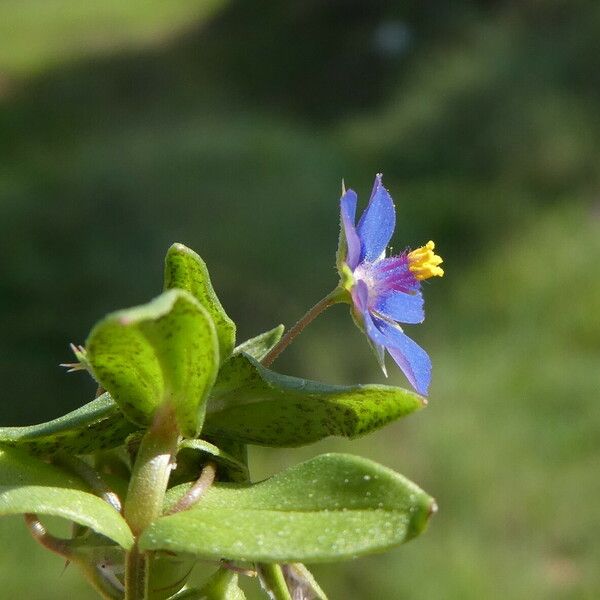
(185, 270)
(255, 405)
(258, 347)
(330, 508)
(342, 249)
(28, 485)
(165, 351)
(98, 425)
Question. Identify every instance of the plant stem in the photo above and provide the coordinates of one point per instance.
(272, 579)
(146, 492)
(335, 297)
(151, 471)
(136, 574)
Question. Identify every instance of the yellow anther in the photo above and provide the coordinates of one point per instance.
(424, 262)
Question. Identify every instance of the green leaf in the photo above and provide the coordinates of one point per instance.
(332, 507)
(165, 351)
(98, 425)
(255, 405)
(168, 574)
(28, 485)
(185, 270)
(258, 347)
(235, 470)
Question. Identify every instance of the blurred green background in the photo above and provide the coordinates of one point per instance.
(228, 125)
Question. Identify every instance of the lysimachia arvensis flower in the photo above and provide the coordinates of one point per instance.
(385, 291)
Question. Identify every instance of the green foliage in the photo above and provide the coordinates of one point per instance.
(160, 365)
(255, 405)
(98, 425)
(258, 347)
(163, 352)
(168, 574)
(330, 508)
(185, 270)
(28, 485)
(235, 469)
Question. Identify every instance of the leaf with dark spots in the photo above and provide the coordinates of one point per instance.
(164, 352)
(185, 270)
(98, 425)
(255, 405)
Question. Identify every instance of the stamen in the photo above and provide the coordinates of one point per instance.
(424, 263)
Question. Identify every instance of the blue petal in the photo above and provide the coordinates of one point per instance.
(398, 306)
(360, 296)
(360, 299)
(409, 356)
(377, 223)
(415, 364)
(348, 212)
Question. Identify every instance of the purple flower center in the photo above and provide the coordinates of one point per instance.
(387, 275)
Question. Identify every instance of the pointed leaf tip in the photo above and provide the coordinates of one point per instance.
(258, 347)
(184, 269)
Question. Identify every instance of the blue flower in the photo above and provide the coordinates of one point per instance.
(385, 291)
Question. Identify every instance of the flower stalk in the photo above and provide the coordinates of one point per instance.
(337, 296)
(272, 580)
